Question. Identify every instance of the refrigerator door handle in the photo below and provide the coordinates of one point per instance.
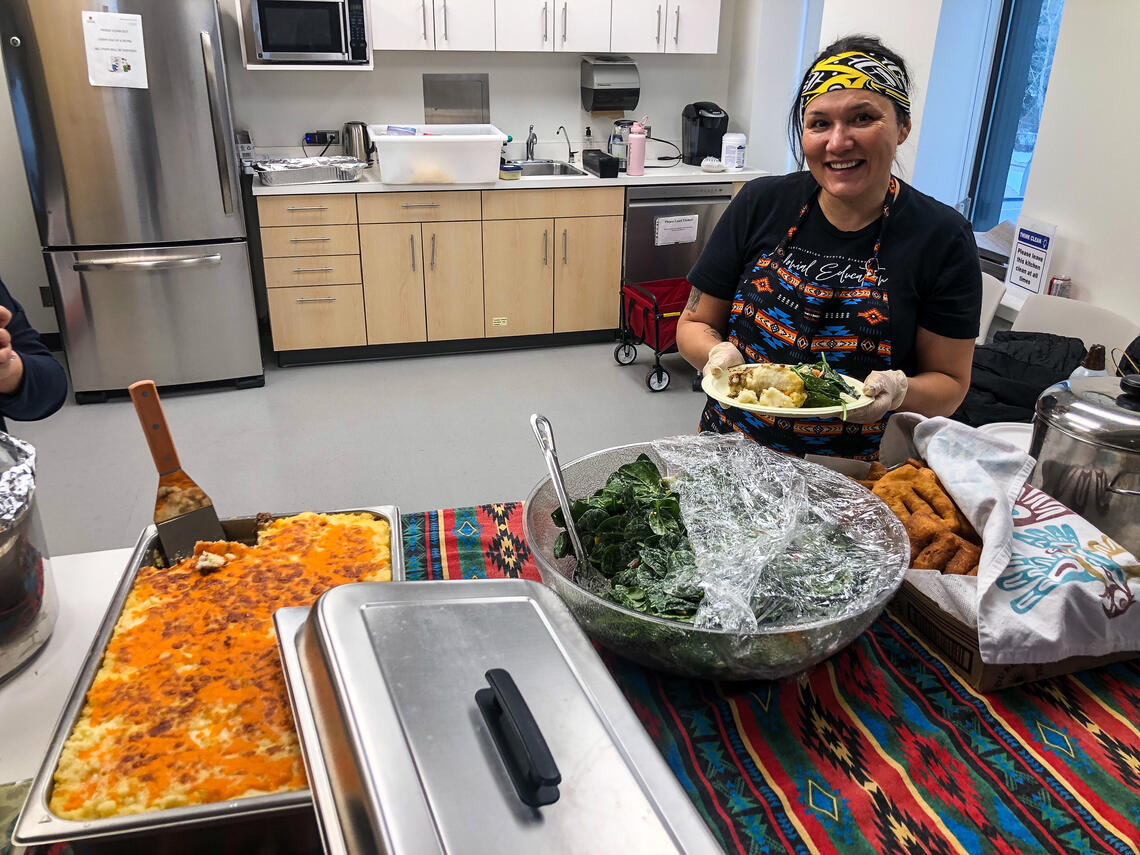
(216, 108)
(167, 263)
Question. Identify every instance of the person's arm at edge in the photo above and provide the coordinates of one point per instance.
(701, 327)
(943, 378)
(43, 387)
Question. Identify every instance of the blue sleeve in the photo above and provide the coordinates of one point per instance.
(43, 387)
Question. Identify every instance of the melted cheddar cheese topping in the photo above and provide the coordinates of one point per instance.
(189, 705)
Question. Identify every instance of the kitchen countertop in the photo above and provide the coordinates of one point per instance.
(369, 182)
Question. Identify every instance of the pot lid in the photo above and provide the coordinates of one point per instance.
(1100, 410)
(473, 717)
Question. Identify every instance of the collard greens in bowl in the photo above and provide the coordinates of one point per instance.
(774, 564)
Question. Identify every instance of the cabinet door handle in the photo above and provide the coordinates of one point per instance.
(545, 29)
(545, 247)
(307, 240)
(564, 5)
(419, 204)
(433, 251)
(308, 208)
(564, 240)
(316, 299)
(412, 244)
(445, 36)
(677, 27)
(312, 269)
(658, 23)
(423, 15)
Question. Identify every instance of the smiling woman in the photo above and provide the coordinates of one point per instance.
(804, 266)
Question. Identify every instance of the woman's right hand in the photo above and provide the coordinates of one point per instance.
(722, 357)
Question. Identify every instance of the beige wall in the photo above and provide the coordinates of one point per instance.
(21, 263)
(910, 28)
(1083, 176)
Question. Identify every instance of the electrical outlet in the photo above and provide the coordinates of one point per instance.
(322, 138)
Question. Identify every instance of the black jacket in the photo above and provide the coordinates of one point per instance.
(1010, 374)
(43, 388)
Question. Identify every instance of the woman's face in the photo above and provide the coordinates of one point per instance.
(849, 140)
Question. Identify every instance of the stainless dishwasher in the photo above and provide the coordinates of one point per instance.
(666, 227)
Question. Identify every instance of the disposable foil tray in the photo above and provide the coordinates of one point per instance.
(276, 172)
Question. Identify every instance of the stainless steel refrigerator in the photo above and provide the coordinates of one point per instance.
(125, 130)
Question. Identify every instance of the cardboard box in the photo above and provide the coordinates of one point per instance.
(957, 644)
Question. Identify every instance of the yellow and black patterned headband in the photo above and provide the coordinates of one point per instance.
(855, 70)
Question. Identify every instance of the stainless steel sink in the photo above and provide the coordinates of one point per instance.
(532, 168)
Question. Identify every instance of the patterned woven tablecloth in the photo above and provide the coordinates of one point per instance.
(880, 749)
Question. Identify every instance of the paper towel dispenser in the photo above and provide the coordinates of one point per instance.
(609, 83)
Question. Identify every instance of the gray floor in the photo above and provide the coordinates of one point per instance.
(422, 433)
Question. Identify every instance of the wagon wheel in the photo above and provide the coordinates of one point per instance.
(657, 379)
(625, 353)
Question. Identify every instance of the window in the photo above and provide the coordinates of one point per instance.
(1017, 94)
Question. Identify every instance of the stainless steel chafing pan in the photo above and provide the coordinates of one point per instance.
(37, 824)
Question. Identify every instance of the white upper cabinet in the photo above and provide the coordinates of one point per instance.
(638, 26)
(582, 26)
(403, 25)
(691, 26)
(524, 24)
(464, 24)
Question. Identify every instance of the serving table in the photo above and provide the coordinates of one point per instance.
(880, 749)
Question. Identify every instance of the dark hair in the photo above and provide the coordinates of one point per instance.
(865, 44)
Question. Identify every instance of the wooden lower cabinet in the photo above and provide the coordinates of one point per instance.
(317, 316)
(453, 280)
(392, 268)
(518, 277)
(587, 273)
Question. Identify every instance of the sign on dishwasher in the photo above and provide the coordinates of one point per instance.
(670, 230)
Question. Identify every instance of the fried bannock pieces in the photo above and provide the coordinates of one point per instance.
(941, 538)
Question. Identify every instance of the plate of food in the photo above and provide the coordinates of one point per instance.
(801, 391)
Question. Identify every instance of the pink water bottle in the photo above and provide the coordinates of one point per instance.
(635, 154)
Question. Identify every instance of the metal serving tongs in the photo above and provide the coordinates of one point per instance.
(544, 433)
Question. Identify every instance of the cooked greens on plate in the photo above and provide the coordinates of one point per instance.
(825, 388)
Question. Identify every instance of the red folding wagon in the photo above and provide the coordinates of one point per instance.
(649, 313)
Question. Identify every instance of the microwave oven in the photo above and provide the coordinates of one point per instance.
(325, 31)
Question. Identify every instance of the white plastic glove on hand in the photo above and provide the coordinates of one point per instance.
(722, 357)
(888, 388)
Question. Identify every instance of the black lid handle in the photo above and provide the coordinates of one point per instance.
(519, 740)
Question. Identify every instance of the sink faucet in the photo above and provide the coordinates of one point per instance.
(569, 150)
(531, 139)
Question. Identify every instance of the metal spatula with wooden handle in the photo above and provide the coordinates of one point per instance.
(183, 512)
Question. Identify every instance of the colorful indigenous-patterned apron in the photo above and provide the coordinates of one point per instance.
(779, 315)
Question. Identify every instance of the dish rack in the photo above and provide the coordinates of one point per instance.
(276, 172)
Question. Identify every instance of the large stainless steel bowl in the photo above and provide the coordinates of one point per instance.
(776, 650)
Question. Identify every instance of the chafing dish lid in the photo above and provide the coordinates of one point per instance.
(417, 765)
(1100, 410)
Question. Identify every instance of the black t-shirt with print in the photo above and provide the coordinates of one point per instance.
(928, 261)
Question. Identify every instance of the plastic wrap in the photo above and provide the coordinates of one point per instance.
(777, 540)
(18, 480)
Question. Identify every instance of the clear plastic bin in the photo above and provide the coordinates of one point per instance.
(439, 154)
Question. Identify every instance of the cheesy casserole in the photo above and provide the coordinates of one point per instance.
(189, 705)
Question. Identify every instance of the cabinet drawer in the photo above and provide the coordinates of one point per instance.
(322, 316)
(308, 240)
(312, 270)
(546, 204)
(431, 207)
(313, 210)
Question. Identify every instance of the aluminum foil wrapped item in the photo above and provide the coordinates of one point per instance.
(777, 540)
(18, 480)
(275, 171)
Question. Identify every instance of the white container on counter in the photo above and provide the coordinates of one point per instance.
(439, 154)
(732, 148)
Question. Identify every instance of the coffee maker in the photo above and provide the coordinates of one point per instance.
(702, 126)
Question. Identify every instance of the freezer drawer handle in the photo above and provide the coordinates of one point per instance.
(312, 269)
(419, 204)
(217, 110)
(168, 263)
(307, 208)
(316, 299)
(519, 740)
